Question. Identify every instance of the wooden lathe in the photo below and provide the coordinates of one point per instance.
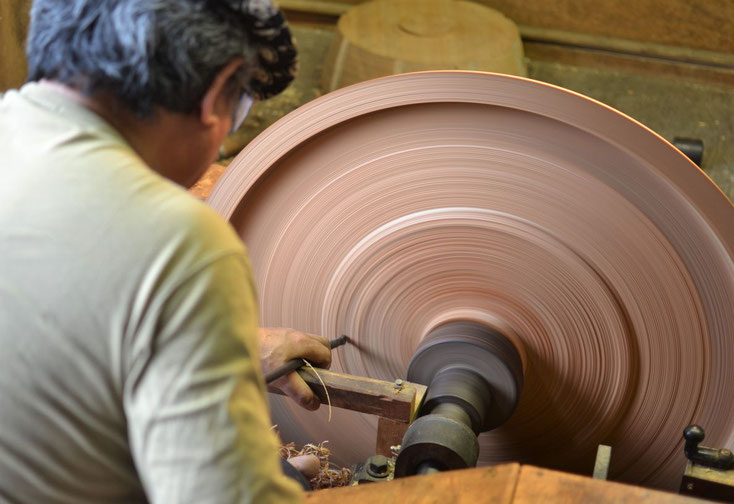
(398, 404)
(545, 274)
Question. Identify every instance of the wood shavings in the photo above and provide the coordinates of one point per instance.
(329, 476)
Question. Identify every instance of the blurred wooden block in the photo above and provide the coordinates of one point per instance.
(206, 183)
(554, 486)
(385, 37)
(507, 483)
(469, 486)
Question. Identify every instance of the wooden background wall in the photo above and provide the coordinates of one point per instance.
(13, 27)
(704, 25)
(696, 24)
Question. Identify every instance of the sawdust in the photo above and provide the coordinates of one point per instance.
(330, 476)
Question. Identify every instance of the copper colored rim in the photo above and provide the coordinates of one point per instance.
(390, 207)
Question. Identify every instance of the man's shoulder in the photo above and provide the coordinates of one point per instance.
(177, 218)
(196, 220)
(164, 239)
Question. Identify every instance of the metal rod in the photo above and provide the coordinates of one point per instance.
(294, 364)
(426, 468)
(454, 412)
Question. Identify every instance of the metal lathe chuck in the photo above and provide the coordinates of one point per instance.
(474, 376)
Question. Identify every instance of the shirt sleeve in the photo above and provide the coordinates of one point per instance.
(195, 398)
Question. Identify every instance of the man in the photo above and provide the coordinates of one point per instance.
(130, 361)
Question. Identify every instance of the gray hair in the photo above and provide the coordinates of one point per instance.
(159, 52)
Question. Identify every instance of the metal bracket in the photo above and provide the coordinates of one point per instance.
(709, 457)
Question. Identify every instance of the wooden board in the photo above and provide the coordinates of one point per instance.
(470, 486)
(503, 484)
(555, 486)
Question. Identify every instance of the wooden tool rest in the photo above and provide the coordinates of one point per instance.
(395, 403)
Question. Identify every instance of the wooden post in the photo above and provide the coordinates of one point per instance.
(389, 433)
(13, 30)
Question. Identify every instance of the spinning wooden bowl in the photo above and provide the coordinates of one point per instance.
(388, 208)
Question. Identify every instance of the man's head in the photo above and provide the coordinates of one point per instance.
(191, 58)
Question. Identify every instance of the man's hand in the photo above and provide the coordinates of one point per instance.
(308, 465)
(279, 345)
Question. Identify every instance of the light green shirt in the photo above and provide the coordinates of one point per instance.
(129, 367)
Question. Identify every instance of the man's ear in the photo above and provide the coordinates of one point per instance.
(216, 105)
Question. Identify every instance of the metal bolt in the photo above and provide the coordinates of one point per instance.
(398, 384)
(377, 465)
(689, 486)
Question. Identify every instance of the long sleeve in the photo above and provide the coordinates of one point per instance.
(195, 399)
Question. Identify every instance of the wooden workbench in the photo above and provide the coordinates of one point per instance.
(502, 484)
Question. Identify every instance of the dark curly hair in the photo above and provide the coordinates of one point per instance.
(159, 52)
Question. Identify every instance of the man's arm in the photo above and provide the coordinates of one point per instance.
(195, 401)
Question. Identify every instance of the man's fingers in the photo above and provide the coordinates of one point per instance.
(314, 349)
(294, 387)
(280, 345)
(308, 465)
(314, 337)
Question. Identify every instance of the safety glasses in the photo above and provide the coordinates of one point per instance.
(240, 112)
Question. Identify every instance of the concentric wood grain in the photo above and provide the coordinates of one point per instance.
(389, 207)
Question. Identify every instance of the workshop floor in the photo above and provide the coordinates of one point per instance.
(671, 107)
